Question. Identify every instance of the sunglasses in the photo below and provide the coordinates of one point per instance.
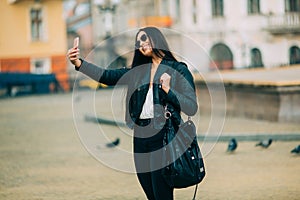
(138, 42)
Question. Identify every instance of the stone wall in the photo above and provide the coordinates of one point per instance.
(274, 103)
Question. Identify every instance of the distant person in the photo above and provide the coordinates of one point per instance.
(155, 79)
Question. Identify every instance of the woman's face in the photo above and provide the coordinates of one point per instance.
(143, 44)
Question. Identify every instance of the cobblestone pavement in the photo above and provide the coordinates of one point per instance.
(46, 153)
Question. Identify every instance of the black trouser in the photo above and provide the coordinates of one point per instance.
(148, 162)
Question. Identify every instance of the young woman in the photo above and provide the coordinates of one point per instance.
(156, 80)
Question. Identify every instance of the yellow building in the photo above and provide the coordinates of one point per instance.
(33, 38)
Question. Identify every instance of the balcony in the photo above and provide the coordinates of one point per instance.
(284, 24)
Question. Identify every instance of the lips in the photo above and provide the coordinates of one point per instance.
(146, 47)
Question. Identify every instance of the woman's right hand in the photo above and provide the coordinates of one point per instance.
(73, 55)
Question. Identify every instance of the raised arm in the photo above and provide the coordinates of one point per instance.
(108, 77)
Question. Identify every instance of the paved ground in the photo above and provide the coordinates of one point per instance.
(48, 150)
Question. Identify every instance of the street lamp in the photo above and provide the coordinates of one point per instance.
(107, 53)
(108, 7)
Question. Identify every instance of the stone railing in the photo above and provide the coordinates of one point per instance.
(286, 23)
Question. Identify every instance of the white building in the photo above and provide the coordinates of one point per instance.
(227, 34)
(244, 33)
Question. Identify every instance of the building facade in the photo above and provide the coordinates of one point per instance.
(33, 38)
(228, 34)
(244, 33)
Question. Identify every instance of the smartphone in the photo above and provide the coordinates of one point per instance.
(76, 42)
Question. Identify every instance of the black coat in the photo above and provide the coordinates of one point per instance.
(181, 96)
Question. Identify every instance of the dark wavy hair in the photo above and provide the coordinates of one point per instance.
(159, 46)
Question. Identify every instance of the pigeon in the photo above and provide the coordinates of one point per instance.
(296, 150)
(265, 143)
(114, 143)
(232, 145)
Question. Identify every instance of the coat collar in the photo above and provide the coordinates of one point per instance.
(145, 70)
(164, 67)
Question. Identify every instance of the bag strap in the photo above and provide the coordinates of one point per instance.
(195, 193)
(168, 114)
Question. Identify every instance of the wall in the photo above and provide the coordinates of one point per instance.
(280, 104)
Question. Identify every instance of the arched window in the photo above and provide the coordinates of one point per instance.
(256, 60)
(294, 55)
(222, 57)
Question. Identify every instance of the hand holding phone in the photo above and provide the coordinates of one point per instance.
(74, 54)
(76, 42)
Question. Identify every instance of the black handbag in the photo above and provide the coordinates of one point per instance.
(182, 156)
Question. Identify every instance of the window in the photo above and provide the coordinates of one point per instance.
(178, 9)
(40, 66)
(195, 11)
(217, 8)
(253, 7)
(36, 23)
(256, 60)
(164, 9)
(292, 5)
(222, 57)
(294, 55)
